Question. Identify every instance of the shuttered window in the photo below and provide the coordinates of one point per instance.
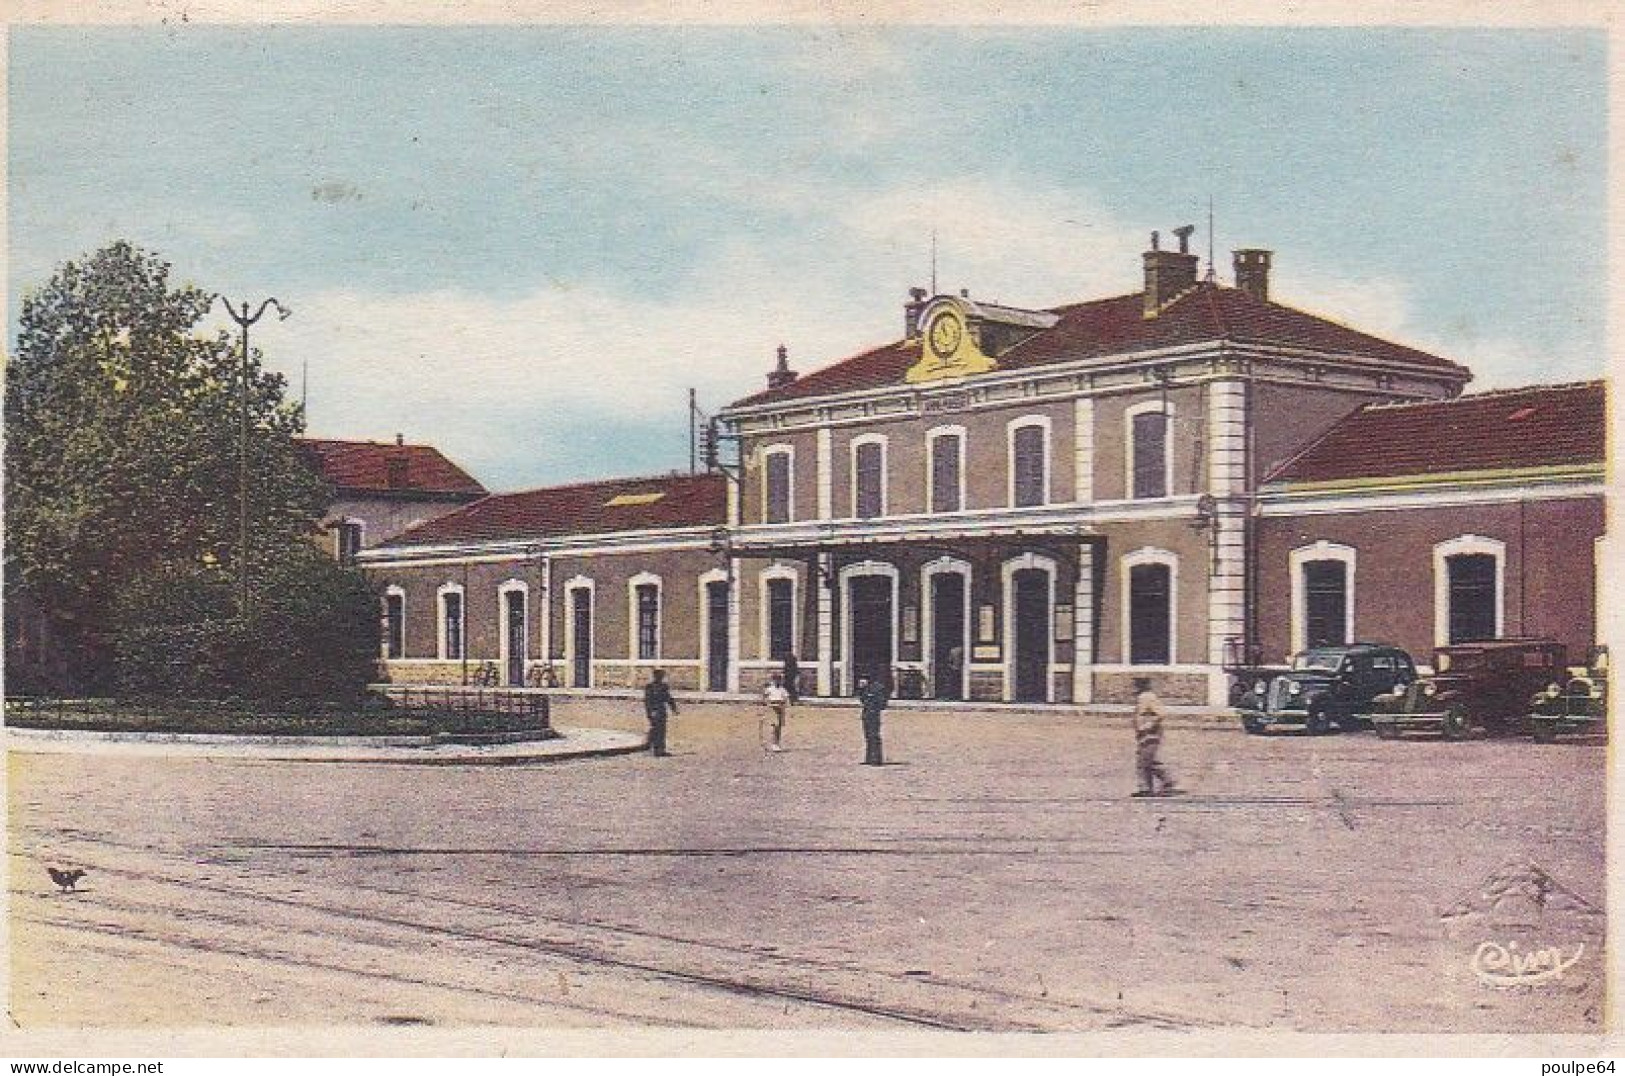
(394, 626)
(1027, 461)
(1326, 603)
(945, 476)
(780, 618)
(648, 596)
(1150, 614)
(1150, 454)
(451, 604)
(869, 463)
(1472, 597)
(777, 508)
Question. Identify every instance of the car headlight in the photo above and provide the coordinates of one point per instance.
(1260, 687)
(1430, 689)
(1553, 690)
(1294, 688)
(1399, 691)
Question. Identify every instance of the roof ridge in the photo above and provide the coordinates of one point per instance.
(584, 483)
(1518, 390)
(307, 439)
(1340, 323)
(1286, 464)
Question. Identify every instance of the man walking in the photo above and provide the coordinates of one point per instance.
(1154, 779)
(657, 701)
(792, 676)
(872, 698)
(777, 697)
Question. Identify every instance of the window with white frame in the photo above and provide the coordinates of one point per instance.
(452, 622)
(945, 474)
(1322, 595)
(395, 623)
(1029, 462)
(778, 489)
(1150, 588)
(869, 477)
(1150, 462)
(1468, 589)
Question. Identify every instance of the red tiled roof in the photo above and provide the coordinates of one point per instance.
(1118, 325)
(365, 466)
(607, 507)
(1537, 426)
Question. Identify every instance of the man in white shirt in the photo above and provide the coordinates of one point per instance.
(777, 698)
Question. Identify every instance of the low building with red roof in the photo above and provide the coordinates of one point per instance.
(593, 584)
(382, 488)
(1427, 523)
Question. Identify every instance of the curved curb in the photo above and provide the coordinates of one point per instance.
(572, 743)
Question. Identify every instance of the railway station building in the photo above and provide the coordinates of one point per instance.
(1037, 505)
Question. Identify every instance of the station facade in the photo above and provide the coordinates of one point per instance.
(1002, 505)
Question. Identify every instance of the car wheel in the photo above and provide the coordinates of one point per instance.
(1545, 731)
(1253, 726)
(1318, 724)
(1455, 722)
(1385, 731)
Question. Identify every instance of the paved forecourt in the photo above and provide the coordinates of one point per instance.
(995, 875)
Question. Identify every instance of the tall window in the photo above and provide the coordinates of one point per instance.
(1150, 453)
(451, 615)
(648, 603)
(776, 487)
(869, 479)
(1028, 466)
(394, 626)
(347, 536)
(1472, 597)
(1150, 614)
(781, 612)
(946, 480)
(1325, 603)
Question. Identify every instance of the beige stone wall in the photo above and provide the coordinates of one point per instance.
(1191, 546)
(1111, 440)
(1181, 689)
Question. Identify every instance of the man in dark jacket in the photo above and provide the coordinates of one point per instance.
(657, 701)
(872, 698)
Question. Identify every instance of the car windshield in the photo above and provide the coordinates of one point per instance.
(1319, 660)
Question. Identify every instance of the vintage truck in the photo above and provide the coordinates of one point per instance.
(1474, 685)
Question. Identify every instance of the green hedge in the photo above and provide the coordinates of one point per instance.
(311, 632)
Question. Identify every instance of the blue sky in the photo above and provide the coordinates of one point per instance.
(523, 244)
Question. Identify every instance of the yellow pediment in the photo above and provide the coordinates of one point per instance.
(948, 348)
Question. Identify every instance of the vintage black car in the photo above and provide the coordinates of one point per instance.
(1578, 704)
(1485, 684)
(1326, 685)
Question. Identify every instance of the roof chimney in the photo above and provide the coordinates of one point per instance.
(781, 375)
(1253, 273)
(911, 312)
(1168, 274)
(400, 438)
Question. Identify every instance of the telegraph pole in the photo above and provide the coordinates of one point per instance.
(244, 320)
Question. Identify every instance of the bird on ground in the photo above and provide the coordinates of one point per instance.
(66, 880)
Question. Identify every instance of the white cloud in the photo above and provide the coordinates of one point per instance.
(466, 371)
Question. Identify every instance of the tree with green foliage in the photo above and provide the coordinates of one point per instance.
(122, 424)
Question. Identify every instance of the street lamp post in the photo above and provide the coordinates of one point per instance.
(244, 320)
